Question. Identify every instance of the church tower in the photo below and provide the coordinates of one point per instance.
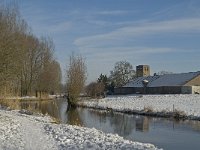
(142, 70)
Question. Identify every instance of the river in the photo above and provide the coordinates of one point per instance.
(164, 133)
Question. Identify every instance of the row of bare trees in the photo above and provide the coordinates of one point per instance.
(27, 63)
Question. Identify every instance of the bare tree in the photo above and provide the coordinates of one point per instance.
(50, 78)
(76, 77)
(26, 62)
(95, 89)
(10, 28)
(122, 73)
(32, 61)
(49, 74)
(55, 70)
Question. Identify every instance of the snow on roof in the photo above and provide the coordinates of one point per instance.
(174, 79)
(138, 81)
(164, 80)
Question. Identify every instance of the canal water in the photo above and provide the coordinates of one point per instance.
(164, 133)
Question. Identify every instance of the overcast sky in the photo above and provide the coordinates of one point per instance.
(164, 34)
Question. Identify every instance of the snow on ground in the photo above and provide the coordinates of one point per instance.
(189, 104)
(19, 131)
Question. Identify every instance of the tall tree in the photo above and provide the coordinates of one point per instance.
(26, 62)
(122, 73)
(76, 77)
(49, 75)
(10, 29)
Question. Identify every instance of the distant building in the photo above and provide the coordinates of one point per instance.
(142, 70)
(180, 83)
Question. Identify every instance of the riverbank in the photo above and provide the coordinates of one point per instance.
(174, 105)
(21, 131)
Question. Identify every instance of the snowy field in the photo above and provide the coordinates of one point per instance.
(19, 131)
(189, 105)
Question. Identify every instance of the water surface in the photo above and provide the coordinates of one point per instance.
(164, 133)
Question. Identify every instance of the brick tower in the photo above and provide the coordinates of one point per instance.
(142, 70)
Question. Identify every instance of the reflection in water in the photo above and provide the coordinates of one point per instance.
(121, 124)
(56, 109)
(63, 111)
(142, 124)
(73, 117)
(45, 107)
(165, 133)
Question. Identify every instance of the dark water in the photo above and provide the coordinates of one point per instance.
(164, 133)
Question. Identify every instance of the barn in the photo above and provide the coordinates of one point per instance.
(180, 83)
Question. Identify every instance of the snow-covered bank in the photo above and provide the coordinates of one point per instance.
(20, 131)
(162, 105)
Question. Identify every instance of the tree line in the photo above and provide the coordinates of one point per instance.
(121, 74)
(27, 63)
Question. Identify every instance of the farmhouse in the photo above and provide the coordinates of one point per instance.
(180, 83)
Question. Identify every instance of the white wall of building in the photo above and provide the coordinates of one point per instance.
(195, 89)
